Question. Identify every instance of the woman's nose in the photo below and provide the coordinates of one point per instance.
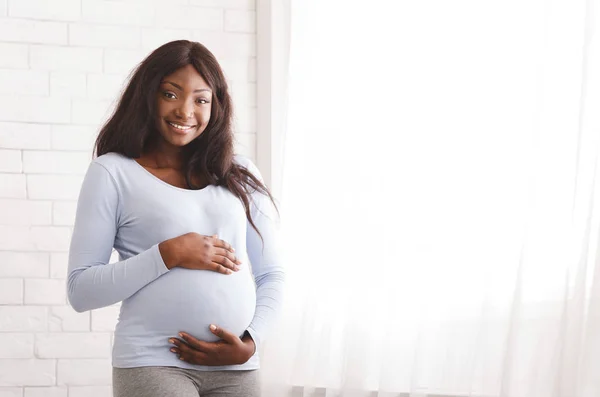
(185, 111)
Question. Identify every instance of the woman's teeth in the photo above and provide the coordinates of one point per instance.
(181, 127)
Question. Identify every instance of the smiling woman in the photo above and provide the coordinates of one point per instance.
(183, 113)
(187, 218)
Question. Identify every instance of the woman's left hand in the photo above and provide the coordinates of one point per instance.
(230, 350)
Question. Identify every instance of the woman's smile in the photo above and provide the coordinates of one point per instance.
(181, 128)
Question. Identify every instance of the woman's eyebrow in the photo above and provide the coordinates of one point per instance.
(181, 89)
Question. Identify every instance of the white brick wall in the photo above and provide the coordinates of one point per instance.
(11, 392)
(63, 64)
(31, 371)
(24, 136)
(46, 392)
(27, 31)
(14, 345)
(11, 292)
(24, 264)
(14, 56)
(10, 161)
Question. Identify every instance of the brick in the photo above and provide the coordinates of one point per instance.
(243, 94)
(70, 84)
(40, 291)
(207, 19)
(59, 262)
(169, 2)
(122, 61)
(10, 161)
(239, 70)
(153, 38)
(63, 213)
(34, 238)
(50, 238)
(11, 292)
(245, 144)
(23, 319)
(16, 238)
(54, 187)
(252, 70)
(46, 391)
(227, 45)
(65, 319)
(13, 186)
(106, 318)
(241, 4)
(81, 34)
(244, 120)
(27, 372)
(105, 86)
(24, 136)
(24, 82)
(74, 137)
(118, 13)
(91, 112)
(24, 264)
(90, 391)
(47, 110)
(25, 212)
(13, 345)
(28, 31)
(61, 10)
(84, 372)
(72, 345)
(243, 21)
(11, 392)
(75, 59)
(14, 56)
(55, 162)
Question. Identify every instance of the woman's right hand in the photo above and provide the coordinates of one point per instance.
(197, 252)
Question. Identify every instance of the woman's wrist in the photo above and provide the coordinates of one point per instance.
(248, 341)
(168, 251)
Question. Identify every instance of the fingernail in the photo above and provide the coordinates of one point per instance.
(173, 350)
(213, 327)
(171, 340)
(229, 271)
(237, 268)
(180, 334)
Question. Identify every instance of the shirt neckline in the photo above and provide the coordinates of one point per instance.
(151, 175)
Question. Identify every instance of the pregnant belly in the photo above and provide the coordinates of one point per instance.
(189, 300)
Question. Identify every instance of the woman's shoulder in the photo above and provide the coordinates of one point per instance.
(116, 165)
(113, 162)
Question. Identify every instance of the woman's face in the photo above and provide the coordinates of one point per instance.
(183, 105)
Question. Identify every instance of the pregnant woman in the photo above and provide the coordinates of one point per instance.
(199, 272)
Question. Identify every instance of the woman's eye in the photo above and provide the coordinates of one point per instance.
(202, 101)
(169, 95)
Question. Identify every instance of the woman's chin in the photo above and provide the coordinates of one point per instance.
(179, 140)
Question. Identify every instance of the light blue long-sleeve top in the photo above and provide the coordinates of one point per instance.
(122, 205)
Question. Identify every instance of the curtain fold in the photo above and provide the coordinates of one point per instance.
(439, 201)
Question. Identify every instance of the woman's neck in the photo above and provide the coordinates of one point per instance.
(165, 157)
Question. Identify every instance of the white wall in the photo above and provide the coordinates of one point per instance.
(62, 64)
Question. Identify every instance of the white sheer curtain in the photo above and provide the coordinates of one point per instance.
(440, 204)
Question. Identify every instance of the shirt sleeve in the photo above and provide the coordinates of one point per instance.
(266, 261)
(92, 282)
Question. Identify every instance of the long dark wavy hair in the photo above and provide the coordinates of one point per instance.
(133, 126)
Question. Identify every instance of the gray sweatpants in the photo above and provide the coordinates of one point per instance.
(180, 382)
